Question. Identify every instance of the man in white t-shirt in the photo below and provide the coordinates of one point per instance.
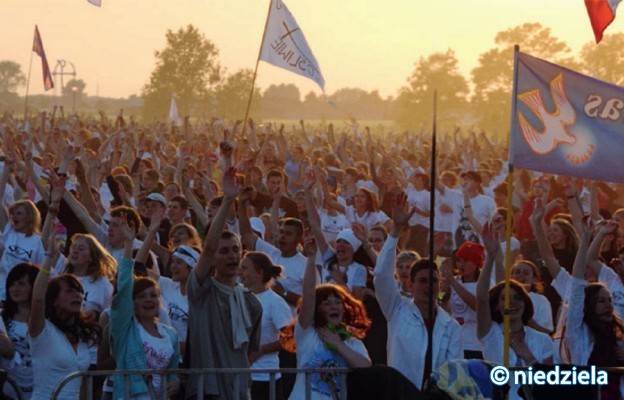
(290, 235)
(418, 198)
(477, 210)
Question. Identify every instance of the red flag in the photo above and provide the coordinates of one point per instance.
(48, 83)
(601, 14)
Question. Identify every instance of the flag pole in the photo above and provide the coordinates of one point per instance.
(429, 353)
(509, 205)
(28, 84)
(253, 81)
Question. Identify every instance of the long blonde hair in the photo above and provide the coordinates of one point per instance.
(32, 213)
(102, 264)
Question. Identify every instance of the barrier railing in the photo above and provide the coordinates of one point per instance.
(6, 378)
(341, 372)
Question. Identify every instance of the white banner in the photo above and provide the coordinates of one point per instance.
(285, 45)
(173, 111)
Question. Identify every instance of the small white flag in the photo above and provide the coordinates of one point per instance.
(173, 111)
(96, 2)
(285, 45)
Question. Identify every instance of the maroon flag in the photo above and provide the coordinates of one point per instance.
(38, 48)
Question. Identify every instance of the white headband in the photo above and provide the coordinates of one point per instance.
(187, 254)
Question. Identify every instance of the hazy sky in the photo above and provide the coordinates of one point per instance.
(370, 44)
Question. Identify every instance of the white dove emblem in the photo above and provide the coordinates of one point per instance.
(555, 123)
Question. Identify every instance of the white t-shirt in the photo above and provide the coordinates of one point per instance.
(312, 353)
(465, 316)
(515, 245)
(493, 342)
(276, 315)
(98, 294)
(176, 304)
(20, 367)
(542, 312)
(356, 273)
(448, 221)
(368, 220)
(294, 266)
(421, 200)
(483, 209)
(53, 358)
(158, 352)
(333, 225)
(18, 248)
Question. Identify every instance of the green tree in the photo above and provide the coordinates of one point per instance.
(79, 84)
(604, 61)
(281, 101)
(11, 76)
(493, 77)
(231, 96)
(438, 72)
(187, 66)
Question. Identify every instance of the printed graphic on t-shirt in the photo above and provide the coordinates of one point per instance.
(326, 383)
(465, 232)
(176, 313)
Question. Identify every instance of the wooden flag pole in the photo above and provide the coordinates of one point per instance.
(508, 260)
(28, 84)
(432, 300)
(253, 81)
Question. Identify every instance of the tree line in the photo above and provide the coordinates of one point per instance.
(189, 67)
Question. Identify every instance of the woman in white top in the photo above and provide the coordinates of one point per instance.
(15, 315)
(328, 332)
(527, 274)
(594, 334)
(59, 334)
(365, 210)
(20, 240)
(94, 267)
(344, 265)
(256, 273)
(528, 346)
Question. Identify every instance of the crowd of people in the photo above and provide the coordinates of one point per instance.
(134, 246)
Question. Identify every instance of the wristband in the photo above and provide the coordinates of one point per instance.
(571, 197)
(44, 271)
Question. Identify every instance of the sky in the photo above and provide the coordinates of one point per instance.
(370, 44)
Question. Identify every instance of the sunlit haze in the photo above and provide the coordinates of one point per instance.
(371, 44)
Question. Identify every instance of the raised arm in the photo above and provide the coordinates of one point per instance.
(580, 262)
(36, 319)
(539, 229)
(484, 318)
(308, 286)
(248, 236)
(57, 187)
(313, 215)
(385, 284)
(230, 191)
(4, 179)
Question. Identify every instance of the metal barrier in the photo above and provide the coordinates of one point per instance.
(342, 376)
(4, 378)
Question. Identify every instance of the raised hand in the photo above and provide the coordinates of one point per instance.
(309, 246)
(128, 232)
(227, 148)
(360, 232)
(57, 186)
(490, 239)
(538, 211)
(309, 181)
(400, 210)
(230, 185)
(156, 219)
